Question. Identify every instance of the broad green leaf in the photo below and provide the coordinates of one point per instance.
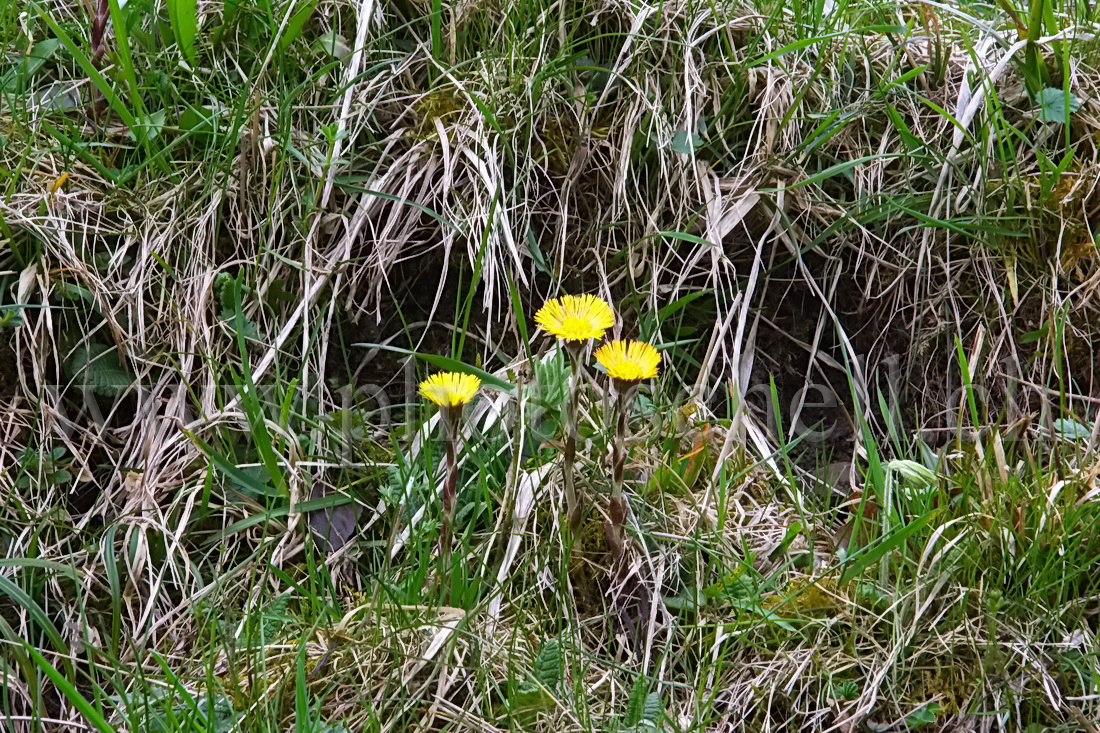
(1070, 429)
(183, 15)
(98, 367)
(548, 664)
(685, 143)
(1053, 105)
(924, 715)
(29, 65)
(296, 23)
(148, 126)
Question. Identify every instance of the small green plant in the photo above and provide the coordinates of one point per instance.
(49, 468)
(11, 316)
(450, 391)
(538, 694)
(644, 709)
(575, 321)
(846, 690)
(628, 363)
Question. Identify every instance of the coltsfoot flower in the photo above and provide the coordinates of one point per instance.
(450, 389)
(576, 317)
(629, 361)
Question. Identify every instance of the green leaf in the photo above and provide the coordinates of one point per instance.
(1070, 429)
(679, 304)
(34, 562)
(636, 703)
(1032, 336)
(685, 143)
(100, 82)
(334, 45)
(923, 715)
(653, 710)
(1053, 105)
(897, 30)
(840, 168)
(148, 126)
(72, 291)
(244, 478)
(349, 182)
(548, 664)
(296, 23)
(85, 708)
(21, 73)
(97, 367)
(525, 703)
(183, 15)
(242, 326)
(13, 595)
(11, 316)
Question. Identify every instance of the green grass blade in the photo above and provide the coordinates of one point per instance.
(445, 362)
(70, 692)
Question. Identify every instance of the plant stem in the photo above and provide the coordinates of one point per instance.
(619, 454)
(572, 505)
(614, 530)
(450, 489)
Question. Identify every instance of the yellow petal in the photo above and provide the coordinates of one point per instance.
(630, 361)
(576, 317)
(450, 389)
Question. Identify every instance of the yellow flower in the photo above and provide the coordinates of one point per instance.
(629, 361)
(450, 389)
(576, 317)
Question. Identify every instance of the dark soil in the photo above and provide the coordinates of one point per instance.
(9, 365)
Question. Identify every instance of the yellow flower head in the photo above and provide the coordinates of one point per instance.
(576, 317)
(629, 361)
(450, 389)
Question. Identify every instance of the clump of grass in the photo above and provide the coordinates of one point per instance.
(203, 205)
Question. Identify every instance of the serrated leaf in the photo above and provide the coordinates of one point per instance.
(97, 367)
(1052, 105)
(11, 317)
(635, 706)
(653, 710)
(548, 664)
(273, 618)
(248, 328)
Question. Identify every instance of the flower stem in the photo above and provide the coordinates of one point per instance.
(619, 455)
(615, 530)
(451, 425)
(572, 505)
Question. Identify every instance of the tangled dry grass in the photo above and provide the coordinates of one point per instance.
(862, 198)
